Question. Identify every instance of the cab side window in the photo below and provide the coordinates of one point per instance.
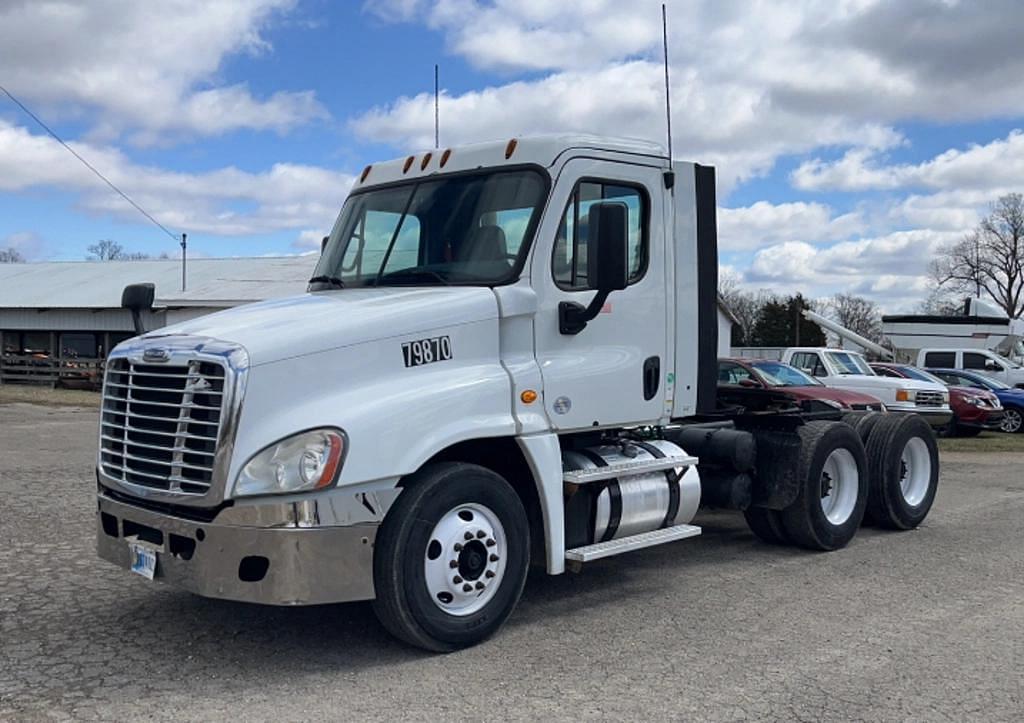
(809, 362)
(941, 359)
(980, 362)
(569, 259)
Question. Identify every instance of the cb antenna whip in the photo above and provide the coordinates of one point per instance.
(668, 100)
(437, 115)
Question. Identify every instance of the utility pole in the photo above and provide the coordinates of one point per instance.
(184, 248)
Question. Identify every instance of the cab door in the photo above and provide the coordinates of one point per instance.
(614, 371)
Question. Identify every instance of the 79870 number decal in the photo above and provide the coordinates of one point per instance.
(427, 351)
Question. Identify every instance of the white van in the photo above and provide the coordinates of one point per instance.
(984, 361)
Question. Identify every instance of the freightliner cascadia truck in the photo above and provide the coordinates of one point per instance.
(506, 357)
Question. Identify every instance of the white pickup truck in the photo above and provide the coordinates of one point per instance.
(983, 361)
(845, 369)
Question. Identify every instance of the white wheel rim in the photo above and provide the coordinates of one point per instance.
(915, 471)
(464, 561)
(840, 486)
(1011, 420)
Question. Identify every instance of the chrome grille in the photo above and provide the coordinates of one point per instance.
(161, 423)
(929, 399)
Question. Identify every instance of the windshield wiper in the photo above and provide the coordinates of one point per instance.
(332, 280)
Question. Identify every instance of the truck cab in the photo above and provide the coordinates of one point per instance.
(983, 361)
(506, 356)
(846, 369)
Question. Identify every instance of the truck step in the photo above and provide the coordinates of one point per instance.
(633, 542)
(621, 469)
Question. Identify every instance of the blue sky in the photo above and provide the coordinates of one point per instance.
(853, 138)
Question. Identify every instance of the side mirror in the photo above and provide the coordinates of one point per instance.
(607, 263)
(323, 243)
(608, 246)
(749, 383)
(993, 366)
(138, 298)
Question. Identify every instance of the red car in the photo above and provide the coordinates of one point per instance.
(800, 388)
(973, 409)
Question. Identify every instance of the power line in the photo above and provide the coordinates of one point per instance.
(88, 165)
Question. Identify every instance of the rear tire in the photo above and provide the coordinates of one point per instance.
(833, 491)
(903, 463)
(766, 525)
(863, 422)
(451, 557)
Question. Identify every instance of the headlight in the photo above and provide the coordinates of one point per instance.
(945, 397)
(904, 395)
(306, 461)
(976, 401)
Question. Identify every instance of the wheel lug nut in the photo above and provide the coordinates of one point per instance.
(489, 573)
(468, 535)
(491, 543)
(458, 547)
(453, 564)
(494, 558)
(481, 535)
(479, 586)
(467, 588)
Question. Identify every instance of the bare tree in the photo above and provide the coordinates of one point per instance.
(859, 315)
(745, 306)
(107, 250)
(11, 256)
(940, 302)
(990, 259)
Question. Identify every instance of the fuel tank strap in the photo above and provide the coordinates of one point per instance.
(614, 499)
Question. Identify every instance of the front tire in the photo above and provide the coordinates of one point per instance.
(832, 474)
(1013, 420)
(451, 557)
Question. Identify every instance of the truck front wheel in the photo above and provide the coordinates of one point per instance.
(451, 557)
(833, 487)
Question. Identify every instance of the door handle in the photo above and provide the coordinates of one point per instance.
(652, 377)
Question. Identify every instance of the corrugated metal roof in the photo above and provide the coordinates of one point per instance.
(98, 284)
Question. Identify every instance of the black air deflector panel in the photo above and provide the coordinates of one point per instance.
(707, 289)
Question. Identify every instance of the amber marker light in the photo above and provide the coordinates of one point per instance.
(366, 172)
(528, 396)
(408, 164)
(425, 161)
(445, 156)
(510, 148)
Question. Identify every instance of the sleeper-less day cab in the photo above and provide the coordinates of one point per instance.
(507, 355)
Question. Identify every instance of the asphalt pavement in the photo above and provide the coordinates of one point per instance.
(922, 625)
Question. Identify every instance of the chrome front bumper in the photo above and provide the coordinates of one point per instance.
(258, 554)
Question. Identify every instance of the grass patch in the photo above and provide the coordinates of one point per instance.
(984, 442)
(31, 394)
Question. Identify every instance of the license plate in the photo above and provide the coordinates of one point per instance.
(143, 559)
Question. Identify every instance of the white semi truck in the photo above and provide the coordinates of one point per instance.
(507, 355)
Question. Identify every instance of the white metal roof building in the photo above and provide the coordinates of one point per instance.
(74, 307)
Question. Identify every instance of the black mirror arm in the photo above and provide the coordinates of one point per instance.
(137, 320)
(573, 317)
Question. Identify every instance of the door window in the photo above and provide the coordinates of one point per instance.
(569, 260)
(809, 362)
(942, 359)
(973, 360)
(729, 373)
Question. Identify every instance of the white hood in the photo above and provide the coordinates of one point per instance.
(299, 325)
(879, 382)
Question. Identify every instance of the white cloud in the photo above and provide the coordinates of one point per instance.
(151, 68)
(27, 243)
(226, 201)
(763, 223)
(992, 167)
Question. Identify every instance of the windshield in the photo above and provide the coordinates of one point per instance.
(990, 382)
(921, 375)
(461, 229)
(1007, 363)
(847, 363)
(777, 374)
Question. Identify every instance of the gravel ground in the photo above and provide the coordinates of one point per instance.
(925, 625)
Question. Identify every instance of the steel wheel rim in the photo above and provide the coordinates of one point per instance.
(1011, 421)
(464, 560)
(840, 486)
(915, 471)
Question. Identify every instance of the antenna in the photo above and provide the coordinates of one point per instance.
(437, 117)
(184, 248)
(668, 99)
